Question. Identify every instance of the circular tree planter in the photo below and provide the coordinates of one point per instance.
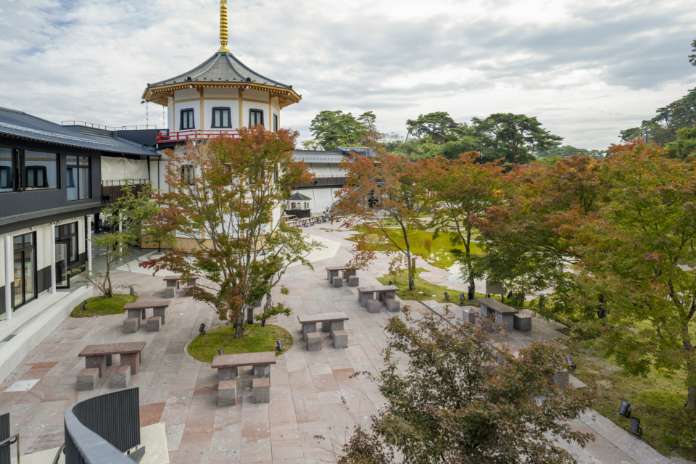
(256, 339)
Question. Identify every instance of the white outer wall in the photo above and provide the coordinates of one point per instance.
(225, 98)
(233, 105)
(113, 169)
(322, 198)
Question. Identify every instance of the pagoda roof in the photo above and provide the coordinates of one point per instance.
(222, 70)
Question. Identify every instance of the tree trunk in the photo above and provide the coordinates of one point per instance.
(411, 272)
(471, 293)
(239, 325)
(691, 379)
(250, 314)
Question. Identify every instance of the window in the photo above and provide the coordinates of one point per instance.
(67, 233)
(27, 170)
(275, 123)
(40, 170)
(222, 118)
(187, 120)
(6, 171)
(79, 178)
(188, 174)
(255, 118)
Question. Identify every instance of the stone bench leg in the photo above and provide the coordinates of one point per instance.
(261, 389)
(159, 312)
(96, 361)
(336, 325)
(227, 393)
(262, 371)
(227, 373)
(87, 379)
(135, 314)
(120, 378)
(132, 360)
(308, 328)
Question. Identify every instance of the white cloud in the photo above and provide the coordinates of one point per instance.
(585, 71)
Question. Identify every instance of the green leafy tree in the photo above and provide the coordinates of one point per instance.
(126, 219)
(692, 57)
(567, 151)
(439, 127)
(639, 252)
(513, 138)
(663, 128)
(225, 209)
(451, 398)
(685, 144)
(333, 129)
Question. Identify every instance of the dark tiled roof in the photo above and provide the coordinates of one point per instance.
(17, 124)
(297, 196)
(221, 67)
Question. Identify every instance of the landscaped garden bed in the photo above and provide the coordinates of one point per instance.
(102, 306)
(257, 338)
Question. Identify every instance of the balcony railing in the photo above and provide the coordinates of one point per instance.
(167, 136)
(100, 430)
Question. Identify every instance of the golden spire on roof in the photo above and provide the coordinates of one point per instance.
(223, 27)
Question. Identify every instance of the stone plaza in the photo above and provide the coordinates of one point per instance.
(315, 398)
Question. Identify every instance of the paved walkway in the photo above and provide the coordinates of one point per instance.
(315, 401)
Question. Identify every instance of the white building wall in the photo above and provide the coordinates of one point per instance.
(233, 105)
(119, 169)
(322, 198)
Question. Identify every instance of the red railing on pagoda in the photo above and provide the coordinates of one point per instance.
(167, 136)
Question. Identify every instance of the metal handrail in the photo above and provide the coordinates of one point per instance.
(169, 136)
(111, 427)
(11, 440)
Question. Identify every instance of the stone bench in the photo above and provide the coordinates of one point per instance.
(131, 325)
(393, 305)
(153, 324)
(313, 341)
(227, 393)
(120, 378)
(340, 338)
(261, 390)
(523, 321)
(87, 379)
(353, 281)
(374, 306)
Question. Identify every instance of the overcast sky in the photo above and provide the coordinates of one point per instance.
(585, 68)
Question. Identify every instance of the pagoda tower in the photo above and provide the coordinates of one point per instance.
(218, 97)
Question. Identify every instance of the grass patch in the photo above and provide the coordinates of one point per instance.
(102, 306)
(435, 250)
(424, 290)
(256, 339)
(657, 400)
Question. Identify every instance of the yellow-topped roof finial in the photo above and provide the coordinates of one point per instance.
(224, 34)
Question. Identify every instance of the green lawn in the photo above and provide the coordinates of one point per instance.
(102, 306)
(657, 400)
(255, 339)
(424, 289)
(436, 251)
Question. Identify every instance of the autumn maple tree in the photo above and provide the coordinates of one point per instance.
(451, 397)
(461, 192)
(527, 235)
(639, 252)
(224, 201)
(385, 196)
